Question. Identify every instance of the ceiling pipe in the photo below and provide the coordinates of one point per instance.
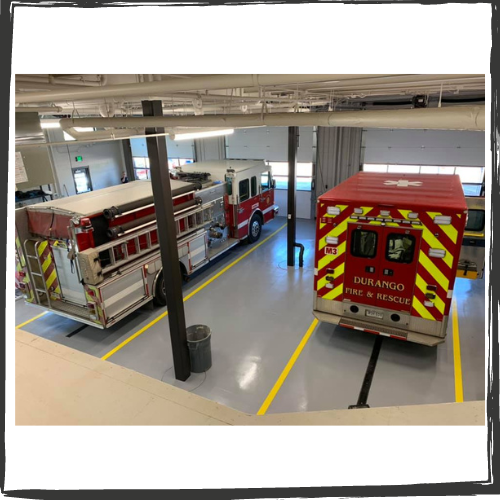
(38, 109)
(194, 83)
(52, 80)
(452, 118)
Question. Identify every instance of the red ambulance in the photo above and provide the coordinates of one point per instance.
(387, 252)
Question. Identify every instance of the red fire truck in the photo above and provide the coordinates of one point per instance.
(95, 257)
(387, 252)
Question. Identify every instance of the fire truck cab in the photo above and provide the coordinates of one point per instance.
(387, 252)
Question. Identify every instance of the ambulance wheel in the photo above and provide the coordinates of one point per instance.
(160, 298)
(255, 229)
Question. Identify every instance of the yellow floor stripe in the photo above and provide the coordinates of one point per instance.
(192, 294)
(459, 390)
(284, 374)
(32, 319)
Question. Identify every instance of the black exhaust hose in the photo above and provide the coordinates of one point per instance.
(301, 253)
(112, 212)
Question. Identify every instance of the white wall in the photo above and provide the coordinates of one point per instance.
(423, 147)
(179, 149)
(104, 159)
(271, 144)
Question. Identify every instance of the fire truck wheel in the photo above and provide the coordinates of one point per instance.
(160, 298)
(255, 228)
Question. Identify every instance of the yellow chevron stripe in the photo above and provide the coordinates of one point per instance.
(51, 278)
(447, 228)
(327, 259)
(57, 290)
(46, 263)
(433, 242)
(42, 247)
(339, 271)
(404, 213)
(334, 293)
(440, 305)
(419, 307)
(434, 271)
(336, 231)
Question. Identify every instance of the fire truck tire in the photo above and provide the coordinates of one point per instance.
(160, 297)
(255, 228)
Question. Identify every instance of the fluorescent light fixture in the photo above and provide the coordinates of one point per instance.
(50, 124)
(202, 135)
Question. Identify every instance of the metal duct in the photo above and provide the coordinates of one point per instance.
(449, 118)
(47, 110)
(195, 83)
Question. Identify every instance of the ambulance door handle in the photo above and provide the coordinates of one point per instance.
(241, 210)
(388, 272)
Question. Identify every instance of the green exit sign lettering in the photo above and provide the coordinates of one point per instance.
(78, 158)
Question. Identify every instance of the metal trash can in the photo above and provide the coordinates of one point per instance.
(200, 353)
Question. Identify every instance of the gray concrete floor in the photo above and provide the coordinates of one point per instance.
(258, 311)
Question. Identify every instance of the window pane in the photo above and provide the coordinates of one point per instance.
(429, 170)
(475, 220)
(472, 189)
(404, 169)
(400, 248)
(446, 170)
(364, 243)
(281, 182)
(142, 173)
(229, 181)
(264, 181)
(304, 169)
(82, 180)
(473, 175)
(244, 190)
(371, 167)
(254, 186)
(279, 168)
(304, 183)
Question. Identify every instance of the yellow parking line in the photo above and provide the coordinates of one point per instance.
(32, 319)
(284, 374)
(459, 390)
(192, 294)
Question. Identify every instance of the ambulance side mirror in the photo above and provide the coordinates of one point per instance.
(273, 184)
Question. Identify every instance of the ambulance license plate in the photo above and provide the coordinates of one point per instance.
(374, 314)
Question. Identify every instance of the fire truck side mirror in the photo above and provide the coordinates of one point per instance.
(273, 183)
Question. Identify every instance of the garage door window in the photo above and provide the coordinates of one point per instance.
(364, 243)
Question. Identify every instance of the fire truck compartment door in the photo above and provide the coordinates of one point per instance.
(123, 293)
(399, 259)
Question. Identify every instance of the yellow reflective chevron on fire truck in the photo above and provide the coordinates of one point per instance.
(339, 271)
(446, 228)
(433, 242)
(335, 292)
(434, 271)
(440, 305)
(328, 259)
(420, 308)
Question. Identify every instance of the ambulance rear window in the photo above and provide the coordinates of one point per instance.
(364, 243)
(475, 220)
(400, 248)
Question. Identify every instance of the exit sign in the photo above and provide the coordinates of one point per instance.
(78, 158)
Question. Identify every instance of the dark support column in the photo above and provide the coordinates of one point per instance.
(129, 162)
(160, 180)
(293, 142)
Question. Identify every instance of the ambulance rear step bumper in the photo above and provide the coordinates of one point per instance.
(375, 329)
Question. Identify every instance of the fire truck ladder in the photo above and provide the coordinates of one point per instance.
(128, 248)
(37, 276)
